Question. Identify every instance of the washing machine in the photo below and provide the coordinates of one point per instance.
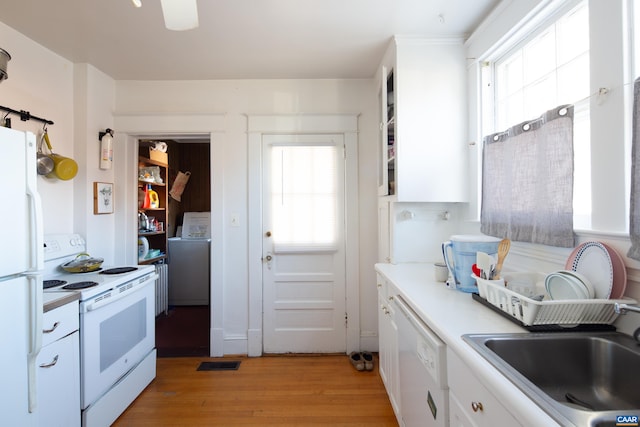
(189, 261)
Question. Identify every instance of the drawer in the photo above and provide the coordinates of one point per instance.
(60, 322)
(58, 366)
(477, 402)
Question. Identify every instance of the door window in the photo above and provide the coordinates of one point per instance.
(303, 195)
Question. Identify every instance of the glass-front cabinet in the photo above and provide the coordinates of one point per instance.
(387, 165)
(423, 121)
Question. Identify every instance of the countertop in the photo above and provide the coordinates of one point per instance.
(53, 300)
(451, 314)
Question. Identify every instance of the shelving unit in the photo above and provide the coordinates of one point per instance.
(157, 238)
(390, 136)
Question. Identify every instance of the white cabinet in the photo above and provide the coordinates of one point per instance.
(423, 121)
(388, 344)
(471, 404)
(58, 366)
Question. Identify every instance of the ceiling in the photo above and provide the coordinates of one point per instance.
(237, 39)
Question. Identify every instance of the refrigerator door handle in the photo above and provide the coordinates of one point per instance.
(35, 204)
(35, 340)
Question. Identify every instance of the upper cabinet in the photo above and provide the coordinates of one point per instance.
(423, 121)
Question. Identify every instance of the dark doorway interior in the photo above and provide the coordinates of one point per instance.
(183, 331)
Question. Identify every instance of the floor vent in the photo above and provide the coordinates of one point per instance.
(219, 366)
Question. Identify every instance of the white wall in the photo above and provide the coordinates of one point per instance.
(41, 82)
(94, 98)
(79, 99)
(236, 99)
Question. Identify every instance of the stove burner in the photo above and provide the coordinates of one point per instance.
(119, 270)
(80, 285)
(46, 284)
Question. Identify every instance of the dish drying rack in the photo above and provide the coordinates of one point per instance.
(555, 313)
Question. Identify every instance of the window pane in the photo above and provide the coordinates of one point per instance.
(573, 81)
(539, 57)
(303, 195)
(573, 35)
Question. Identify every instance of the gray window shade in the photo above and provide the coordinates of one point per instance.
(527, 181)
(634, 220)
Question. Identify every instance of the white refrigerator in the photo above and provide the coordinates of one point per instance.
(21, 264)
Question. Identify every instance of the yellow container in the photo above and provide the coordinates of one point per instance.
(154, 200)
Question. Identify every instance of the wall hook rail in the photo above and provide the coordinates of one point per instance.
(25, 115)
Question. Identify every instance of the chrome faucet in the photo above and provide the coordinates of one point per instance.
(622, 309)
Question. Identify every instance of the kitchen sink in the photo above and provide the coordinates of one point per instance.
(581, 379)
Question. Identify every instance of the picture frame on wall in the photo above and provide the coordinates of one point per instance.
(102, 198)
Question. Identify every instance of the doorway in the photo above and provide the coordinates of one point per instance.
(184, 328)
(260, 129)
(303, 245)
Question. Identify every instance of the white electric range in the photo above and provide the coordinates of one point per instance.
(117, 328)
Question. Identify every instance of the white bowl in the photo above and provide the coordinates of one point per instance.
(562, 285)
(583, 280)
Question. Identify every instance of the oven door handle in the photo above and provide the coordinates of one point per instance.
(105, 301)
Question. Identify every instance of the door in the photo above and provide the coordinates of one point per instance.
(303, 244)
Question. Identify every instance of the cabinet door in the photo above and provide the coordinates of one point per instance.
(429, 126)
(388, 347)
(458, 417)
(58, 367)
(386, 155)
(475, 401)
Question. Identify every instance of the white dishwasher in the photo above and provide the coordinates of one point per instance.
(424, 394)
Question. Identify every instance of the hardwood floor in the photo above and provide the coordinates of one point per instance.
(272, 390)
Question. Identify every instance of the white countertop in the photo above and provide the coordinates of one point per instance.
(451, 314)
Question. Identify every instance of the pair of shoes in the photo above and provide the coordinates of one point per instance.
(362, 360)
(368, 360)
(357, 361)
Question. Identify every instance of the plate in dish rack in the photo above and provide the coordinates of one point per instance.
(619, 273)
(592, 260)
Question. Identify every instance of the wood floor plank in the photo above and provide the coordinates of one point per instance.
(272, 390)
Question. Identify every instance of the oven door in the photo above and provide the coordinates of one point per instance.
(115, 337)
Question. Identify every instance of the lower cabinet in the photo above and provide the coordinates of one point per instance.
(388, 345)
(470, 403)
(58, 369)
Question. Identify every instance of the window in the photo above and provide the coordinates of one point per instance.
(303, 195)
(548, 68)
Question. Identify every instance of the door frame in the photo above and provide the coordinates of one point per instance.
(259, 125)
(130, 128)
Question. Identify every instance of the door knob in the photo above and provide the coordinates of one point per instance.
(268, 258)
(268, 234)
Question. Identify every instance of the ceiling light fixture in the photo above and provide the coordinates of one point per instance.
(137, 3)
(180, 15)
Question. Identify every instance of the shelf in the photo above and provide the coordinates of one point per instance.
(149, 161)
(151, 260)
(151, 233)
(159, 184)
